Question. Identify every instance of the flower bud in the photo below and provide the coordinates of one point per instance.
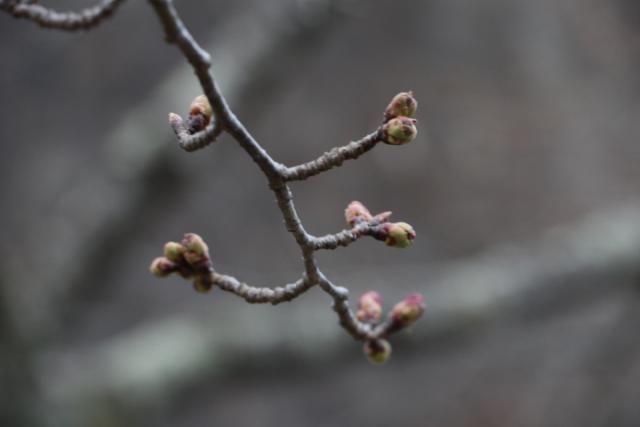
(202, 284)
(356, 212)
(369, 307)
(162, 267)
(403, 104)
(174, 251)
(200, 114)
(399, 234)
(377, 351)
(406, 312)
(200, 105)
(194, 243)
(400, 130)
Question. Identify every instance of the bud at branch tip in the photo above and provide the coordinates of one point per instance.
(377, 351)
(403, 104)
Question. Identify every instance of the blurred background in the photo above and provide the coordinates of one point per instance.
(522, 186)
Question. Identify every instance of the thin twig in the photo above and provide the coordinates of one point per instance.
(333, 158)
(255, 295)
(224, 120)
(68, 21)
(276, 174)
(343, 238)
(192, 142)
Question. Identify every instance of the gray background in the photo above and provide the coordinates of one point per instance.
(522, 186)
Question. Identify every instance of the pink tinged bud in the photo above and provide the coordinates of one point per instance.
(377, 351)
(162, 267)
(400, 130)
(194, 243)
(197, 263)
(403, 104)
(174, 252)
(356, 212)
(406, 312)
(369, 307)
(399, 234)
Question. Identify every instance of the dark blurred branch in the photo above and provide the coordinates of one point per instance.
(69, 21)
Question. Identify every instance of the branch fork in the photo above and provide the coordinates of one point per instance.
(210, 116)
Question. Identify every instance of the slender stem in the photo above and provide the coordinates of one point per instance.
(193, 142)
(277, 175)
(254, 295)
(343, 238)
(224, 120)
(333, 158)
(68, 21)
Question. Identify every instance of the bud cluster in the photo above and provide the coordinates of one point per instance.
(400, 126)
(394, 234)
(402, 315)
(189, 259)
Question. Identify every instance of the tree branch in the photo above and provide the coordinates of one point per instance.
(401, 132)
(192, 142)
(333, 158)
(255, 295)
(68, 21)
(211, 115)
(343, 238)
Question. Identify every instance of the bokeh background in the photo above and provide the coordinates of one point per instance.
(523, 186)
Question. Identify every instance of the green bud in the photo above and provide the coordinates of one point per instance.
(202, 284)
(399, 234)
(400, 130)
(356, 212)
(406, 312)
(162, 267)
(174, 251)
(195, 261)
(403, 104)
(194, 243)
(377, 351)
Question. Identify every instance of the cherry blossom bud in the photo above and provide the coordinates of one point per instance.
(202, 284)
(174, 251)
(399, 234)
(377, 351)
(162, 267)
(194, 243)
(406, 312)
(400, 130)
(403, 104)
(200, 114)
(356, 212)
(369, 307)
